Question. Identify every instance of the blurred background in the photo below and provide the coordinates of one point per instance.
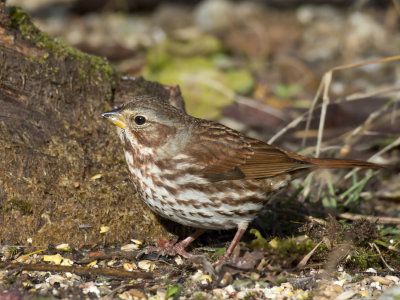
(253, 65)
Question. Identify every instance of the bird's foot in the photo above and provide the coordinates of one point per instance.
(171, 248)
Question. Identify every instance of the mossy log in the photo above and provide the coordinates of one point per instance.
(62, 171)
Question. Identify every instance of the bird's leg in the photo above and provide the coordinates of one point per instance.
(178, 248)
(239, 233)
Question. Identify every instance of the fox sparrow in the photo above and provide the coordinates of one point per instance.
(200, 173)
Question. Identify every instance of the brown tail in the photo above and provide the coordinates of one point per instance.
(342, 163)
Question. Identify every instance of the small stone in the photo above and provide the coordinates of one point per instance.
(129, 267)
(376, 293)
(337, 288)
(320, 298)
(146, 265)
(218, 293)
(227, 279)
(137, 242)
(95, 177)
(132, 294)
(54, 279)
(242, 294)
(111, 263)
(381, 280)
(104, 229)
(67, 262)
(392, 278)
(56, 259)
(376, 285)
(196, 276)
(230, 289)
(63, 247)
(90, 287)
(92, 264)
(363, 293)
(346, 295)
(178, 260)
(339, 282)
(129, 247)
(371, 270)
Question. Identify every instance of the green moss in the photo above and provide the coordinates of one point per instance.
(24, 206)
(5, 208)
(289, 245)
(12, 250)
(259, 242)
(58, 48)
(249, 295)
(364, 259)
(280, 280)
(200, 296)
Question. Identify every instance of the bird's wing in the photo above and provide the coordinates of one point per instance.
(225, 154)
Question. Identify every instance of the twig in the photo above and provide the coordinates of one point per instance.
(386, 149)
(349, 98)
(380, 255)
(324, 89)
(76, 270)
(305, 259)
(373, 219)
(349, 216)
(108, 255)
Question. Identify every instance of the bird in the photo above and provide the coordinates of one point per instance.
(202, 174)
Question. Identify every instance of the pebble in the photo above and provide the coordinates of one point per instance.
(218, 292)
(376, 285)
(227, 279)
(129, 247)
(178, 260)
(129, 267)
(381, 280)
(392, 278)
(346, 295)
(371, 270)
(55, 278)
(146, 265)
(63, 247)
(337, 288)
(132, 294)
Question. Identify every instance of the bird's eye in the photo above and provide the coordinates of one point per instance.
(140, 120)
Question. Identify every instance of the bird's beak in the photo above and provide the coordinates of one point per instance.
(115, 117)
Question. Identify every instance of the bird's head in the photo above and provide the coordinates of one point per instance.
(150, 125)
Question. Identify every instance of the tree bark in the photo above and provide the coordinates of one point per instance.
(62, 171)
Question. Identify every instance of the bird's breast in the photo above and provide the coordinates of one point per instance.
(173, 189)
